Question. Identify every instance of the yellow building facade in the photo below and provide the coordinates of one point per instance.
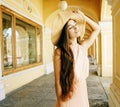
(114, 98)
(21, 43)
(31, 53)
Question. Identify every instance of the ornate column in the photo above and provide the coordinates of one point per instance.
(106, 46)
(48, 55)
(114, 97)
(106, 38)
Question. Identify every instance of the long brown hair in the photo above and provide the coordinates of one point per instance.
(66, 74)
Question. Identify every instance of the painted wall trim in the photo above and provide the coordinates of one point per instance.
(22, 9)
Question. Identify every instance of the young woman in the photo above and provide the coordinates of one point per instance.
(71, 65)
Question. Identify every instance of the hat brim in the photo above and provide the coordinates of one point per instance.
(61, 19)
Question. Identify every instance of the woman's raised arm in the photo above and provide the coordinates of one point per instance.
(95, 32)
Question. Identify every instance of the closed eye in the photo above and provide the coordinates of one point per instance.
(72, 26)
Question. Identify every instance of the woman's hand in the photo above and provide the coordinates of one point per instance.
(78, 11)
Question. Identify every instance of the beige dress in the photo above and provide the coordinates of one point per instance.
(81, 70)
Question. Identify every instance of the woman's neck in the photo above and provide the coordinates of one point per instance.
(73, 42)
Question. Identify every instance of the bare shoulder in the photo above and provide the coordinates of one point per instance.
(57, 52)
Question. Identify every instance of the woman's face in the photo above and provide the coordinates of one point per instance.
(73, 29)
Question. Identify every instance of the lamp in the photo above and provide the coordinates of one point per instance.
(62, 5)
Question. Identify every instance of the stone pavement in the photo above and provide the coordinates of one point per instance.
(41, 93)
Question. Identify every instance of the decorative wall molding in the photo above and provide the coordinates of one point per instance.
(106, 13)
(27, 6)
(24, 8)
(115, 50)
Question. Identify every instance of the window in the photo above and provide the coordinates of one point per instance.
(25, 43)
(7, 41)
(22, 42)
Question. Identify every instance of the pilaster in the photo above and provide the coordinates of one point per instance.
(2, 90)
(114, 97)
(106, 38)
(106, 46)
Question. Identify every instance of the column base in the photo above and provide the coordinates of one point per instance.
(49, 68)
(2, 91)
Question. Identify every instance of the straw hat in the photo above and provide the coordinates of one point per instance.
(61, 19)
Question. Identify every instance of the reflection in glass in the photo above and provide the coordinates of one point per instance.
(39, 45)
(25, 43)
(7, 40)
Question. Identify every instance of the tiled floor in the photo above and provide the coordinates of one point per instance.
(41, 93)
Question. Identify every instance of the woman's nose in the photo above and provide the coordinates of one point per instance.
(75, 27)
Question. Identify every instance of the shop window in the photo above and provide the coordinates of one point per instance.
(25, 43)
(7, 41)
(21, 43)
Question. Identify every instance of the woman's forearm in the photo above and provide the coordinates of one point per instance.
(94, 25)
(94, 33)
(58, 90)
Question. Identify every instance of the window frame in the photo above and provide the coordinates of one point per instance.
(14, 17)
